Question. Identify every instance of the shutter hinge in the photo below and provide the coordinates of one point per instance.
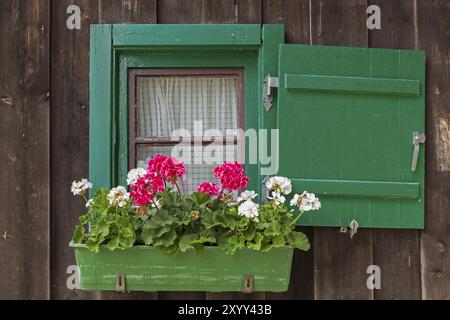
(269, 83)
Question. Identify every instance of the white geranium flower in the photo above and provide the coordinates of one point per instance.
(246, 195)
(249, 209)
(89, 203)
(306, 201)
(279, 184)
(80, 187)
(135, 174)
(277, 198)
(118, 196)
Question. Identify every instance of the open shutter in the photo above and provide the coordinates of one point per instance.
(346, 118)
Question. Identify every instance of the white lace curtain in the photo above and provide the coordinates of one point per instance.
(172, 102)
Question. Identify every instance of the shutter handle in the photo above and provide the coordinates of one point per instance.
(418, 138)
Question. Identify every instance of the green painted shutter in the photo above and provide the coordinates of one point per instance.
(346, 118)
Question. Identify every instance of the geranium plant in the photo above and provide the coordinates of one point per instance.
(156, 213)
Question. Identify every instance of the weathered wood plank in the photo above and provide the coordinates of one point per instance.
(397, 252)
(126, 11)
(340, 264)
(218, 11)
(69, 135)
(248, 11)
(24, 150)
(295, 16)
(179, 11)
(341, 23)
(433, 25)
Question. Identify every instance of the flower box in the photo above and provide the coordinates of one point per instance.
(145, 268)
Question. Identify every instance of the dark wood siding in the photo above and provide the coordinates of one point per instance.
(44, 81)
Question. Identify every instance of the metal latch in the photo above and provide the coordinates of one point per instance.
(248, 283)
(269, 83)
(120, 283)
(353, 227)
(417, 139)
(266, 190)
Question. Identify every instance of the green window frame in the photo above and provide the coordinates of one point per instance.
(116, 48)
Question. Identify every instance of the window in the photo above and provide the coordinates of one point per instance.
(193, 107)
(346, 117)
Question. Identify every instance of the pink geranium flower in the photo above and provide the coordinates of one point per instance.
(231, 176)
(143, 191)
(166, 168)
(210, 189)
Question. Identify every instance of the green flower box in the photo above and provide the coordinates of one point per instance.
(144, 268)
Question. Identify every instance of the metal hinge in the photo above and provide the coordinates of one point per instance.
(269, 83)
(121, 283)
(248, 283)
(417, 139)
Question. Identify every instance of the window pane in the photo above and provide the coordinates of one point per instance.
(195, 173)
(166, 103)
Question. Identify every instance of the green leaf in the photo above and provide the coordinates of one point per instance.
(85, 218)
(249, 233)
(100, 200)
(206, 236)
(171, 250)
(256, 243)
(233, 243)
(200, 198)
(78, 234)
(266, 246)
(161, 218)
(278, 241)
(113, 243)
(273, 230)
(298, 240)
(185, 242)
(166, 239)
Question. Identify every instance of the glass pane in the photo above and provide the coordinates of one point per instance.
(195, 173)
(166, 103)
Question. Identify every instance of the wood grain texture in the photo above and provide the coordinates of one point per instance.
(397, 252)
(340, 264)
(69, 135)
(179, 11)
(294, 14)
(24, 149)
(340, 23)
(248, 11)
(218, 11)
(433, 25)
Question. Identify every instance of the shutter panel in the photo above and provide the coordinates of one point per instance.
(346, 118)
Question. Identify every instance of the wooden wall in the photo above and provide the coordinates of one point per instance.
(44, 72)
